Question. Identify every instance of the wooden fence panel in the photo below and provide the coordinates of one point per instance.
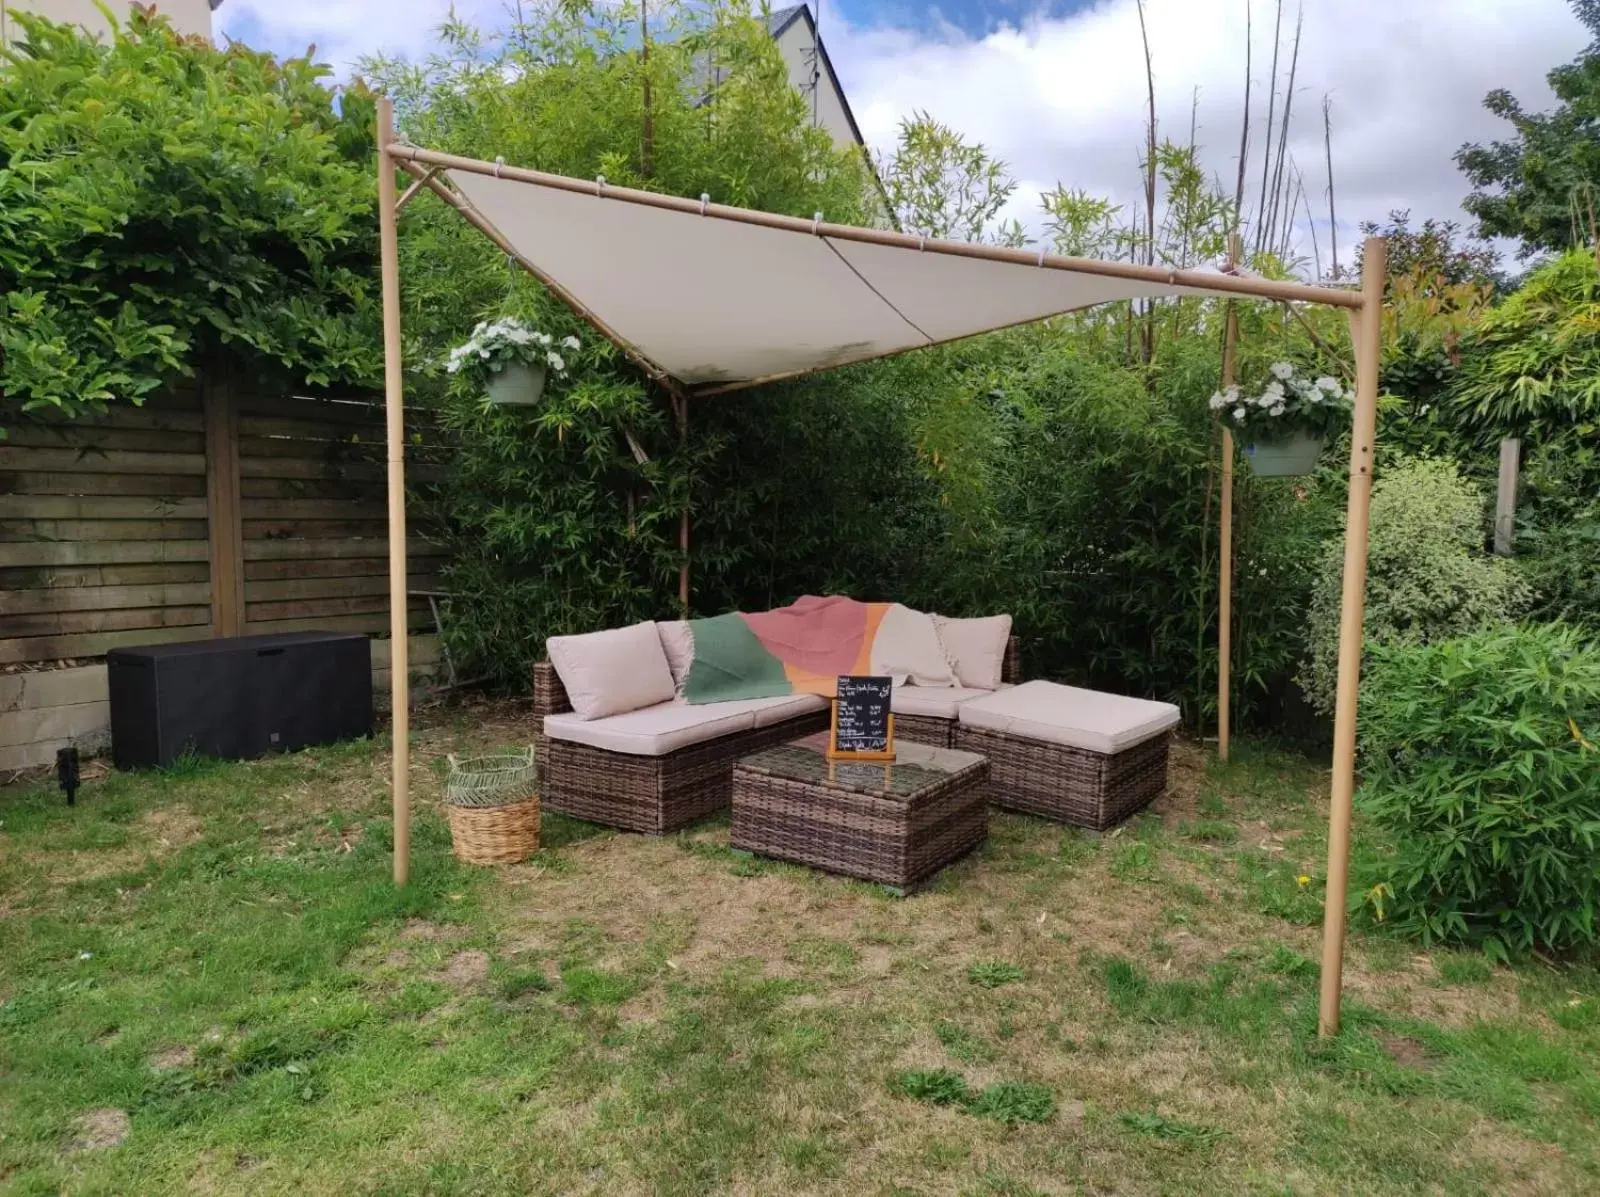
(103, 534)
(109, 530)
(313, 498)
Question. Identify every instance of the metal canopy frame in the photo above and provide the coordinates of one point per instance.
(1364, 305)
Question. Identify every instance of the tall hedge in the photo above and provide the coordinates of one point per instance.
(162, 200)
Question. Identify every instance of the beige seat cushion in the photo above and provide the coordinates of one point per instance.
(612, 672)
(654, 731)
(768, 711)
(1056, 714)
(933, 702)
(976, 648)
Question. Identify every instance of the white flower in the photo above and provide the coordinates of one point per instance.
(555, 361)
(1331, 385)
(1275, 410)
(544, 338)
(1282, 370)
(571, 343)
(1238, 413)
(1274, 388)
(1217, 402)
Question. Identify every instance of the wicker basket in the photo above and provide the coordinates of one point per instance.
(493, 801)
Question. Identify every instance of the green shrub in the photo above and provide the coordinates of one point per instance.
(1531, 368)
(1428, 577)
(1481, 784)
(1558, 530)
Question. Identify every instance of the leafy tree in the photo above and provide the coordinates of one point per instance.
(1435, 253)
(162, 201)
(1540, 186)
(942, 185)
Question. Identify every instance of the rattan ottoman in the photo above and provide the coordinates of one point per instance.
(896, 824)
(1076, 756)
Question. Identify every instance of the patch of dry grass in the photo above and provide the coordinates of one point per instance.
(625, 1014)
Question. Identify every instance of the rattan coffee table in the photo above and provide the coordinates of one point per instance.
(895, 823)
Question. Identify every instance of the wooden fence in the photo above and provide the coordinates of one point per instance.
(205, 512)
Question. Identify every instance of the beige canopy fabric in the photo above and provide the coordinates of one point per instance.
(713, 300)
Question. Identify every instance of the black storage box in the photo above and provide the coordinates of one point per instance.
(238, 697)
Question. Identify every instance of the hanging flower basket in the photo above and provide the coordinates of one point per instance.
(1284, 428)
(516, 385)
(493, 803)
(511, 361)
(1288, 458)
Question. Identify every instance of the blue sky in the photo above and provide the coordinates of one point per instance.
(973, 18)
(969, 18)
(1056, 88)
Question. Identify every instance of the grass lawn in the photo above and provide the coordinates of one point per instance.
(208, 984)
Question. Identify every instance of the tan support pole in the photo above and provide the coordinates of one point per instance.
(1230, 342)
(1367, 326)
(394, 396)
(682, 407)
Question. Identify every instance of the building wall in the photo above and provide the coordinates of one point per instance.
(188, 16)
(797, 44)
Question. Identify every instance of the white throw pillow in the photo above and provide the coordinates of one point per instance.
(612, 672)
(907, 649)
(977, 648)
(677, 641)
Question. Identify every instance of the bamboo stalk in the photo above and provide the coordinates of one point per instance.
(1230, 340)
(1311, 221)
(395, 436)
(1266, 155)
(1244, 129)
(1280, 181)
(1368, 327)
(1147, 332)
(680, 407)
(1327, 144)
(1255, 288)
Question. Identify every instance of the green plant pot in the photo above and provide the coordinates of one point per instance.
(1287, 458)
(516, 385)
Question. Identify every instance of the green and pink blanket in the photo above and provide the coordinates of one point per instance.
(804, 648)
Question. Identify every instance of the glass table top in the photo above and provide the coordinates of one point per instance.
(915, 767)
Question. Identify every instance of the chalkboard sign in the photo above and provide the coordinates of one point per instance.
(863, 728)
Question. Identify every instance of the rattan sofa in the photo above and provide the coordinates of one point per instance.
(930, 715)
(653, 794)
(659, 794)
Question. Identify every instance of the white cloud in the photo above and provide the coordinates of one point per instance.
(1063, 99)
(345, 30)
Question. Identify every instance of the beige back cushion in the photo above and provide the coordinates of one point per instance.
(677, 641)
(907, 649)
(612, 672)
(977, 648)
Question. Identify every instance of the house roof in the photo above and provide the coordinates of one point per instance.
(779, 22)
